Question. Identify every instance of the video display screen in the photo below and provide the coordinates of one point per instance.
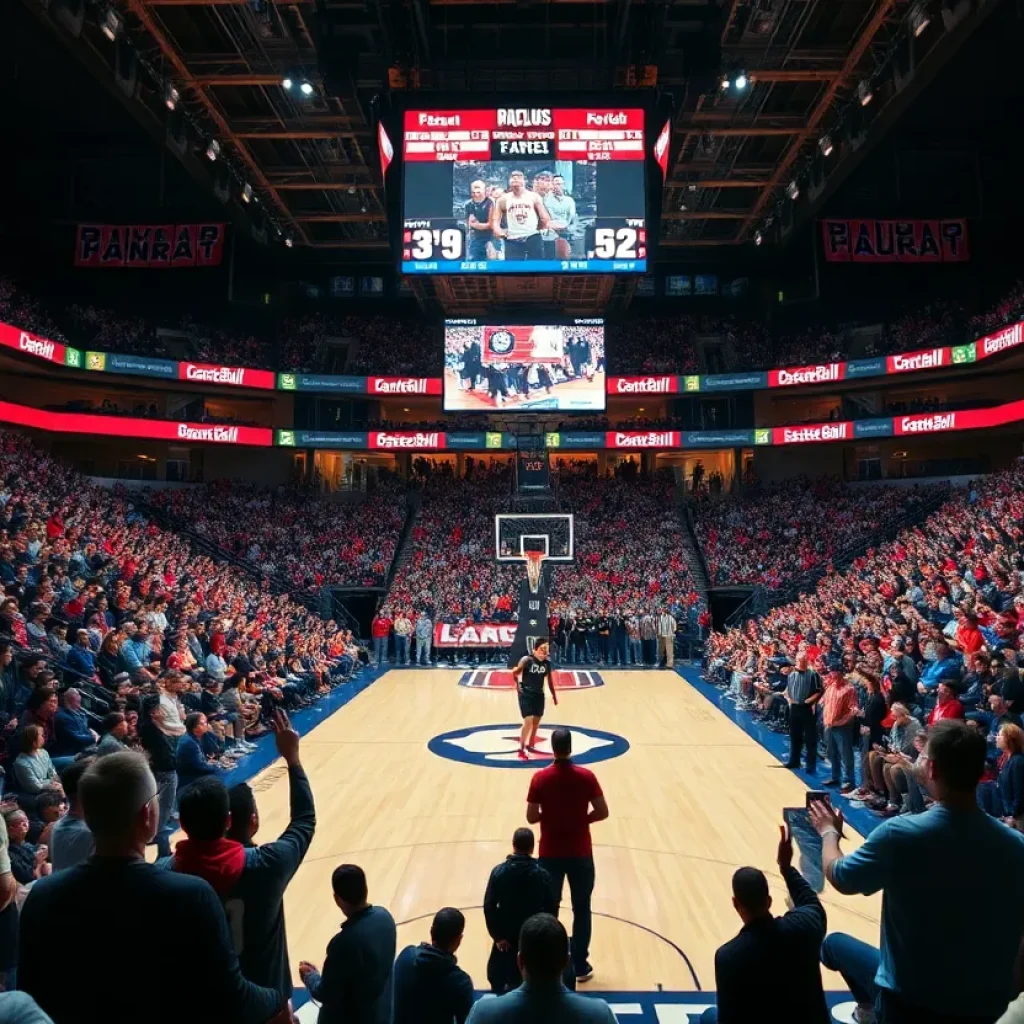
(524, 367)
(523, 191)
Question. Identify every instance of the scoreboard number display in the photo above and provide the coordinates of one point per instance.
(523, 190)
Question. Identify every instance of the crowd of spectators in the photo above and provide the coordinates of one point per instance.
(771, 534)
(295, 533)
(114, 632)
(924, 628)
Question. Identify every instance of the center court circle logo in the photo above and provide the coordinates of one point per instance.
(497, 746)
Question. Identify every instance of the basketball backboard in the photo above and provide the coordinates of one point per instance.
(517, 533)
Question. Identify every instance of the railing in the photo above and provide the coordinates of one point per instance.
(755, 605)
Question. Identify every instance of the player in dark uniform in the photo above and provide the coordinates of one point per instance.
(529, 675)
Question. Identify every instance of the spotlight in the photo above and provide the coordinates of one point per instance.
(286, 82)
(864, 93)
(247, 193)
(351, 190)
(691, 188)
(825, 145)
(171, 96)
(919, 19)
(741, 82)
(758, 238)
(213, 150)
(289, 241)
(306, 88)
(111, 24)
(363, 207)
(793, 190)
(726, 82)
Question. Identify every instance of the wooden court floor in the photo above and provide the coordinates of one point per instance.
(691, 800)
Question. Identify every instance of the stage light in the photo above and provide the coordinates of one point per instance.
(171, 96)
(864, 93)
(306, 88)
(726, 82)
(741, 82)
(758, 238)
(289, 241)
(111, 24)
(213, 150)
(286, 82)
(919, 19)
(247, 193)
(825, 145)
(793, 190)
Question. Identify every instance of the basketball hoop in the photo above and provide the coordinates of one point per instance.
(533, 568)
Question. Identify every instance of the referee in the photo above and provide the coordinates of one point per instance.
(803, 691)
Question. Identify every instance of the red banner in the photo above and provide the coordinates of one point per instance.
(926, 359)
(474, 634)
(642, 439)
(667, 384)
(403, 385)
(993, 344)
(149, 245)
(387, 151)
(406, 440)
(661, 148)
(964, 419)
(895, 241)
(128, 426)
(234, 376)
(824, 373)
(811, 432)
(31, 344)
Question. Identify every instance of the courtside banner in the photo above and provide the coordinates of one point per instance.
(408, 440)
(41, 348)
(474, 634)
(642, 439)
(809, 433)
(324, 382)
(895, 241)
(403, 386)
(128, 426)
(162, 246)
(822, 373)
(659, 384)
(233, 376)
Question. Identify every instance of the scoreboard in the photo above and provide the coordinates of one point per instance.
(524, 190)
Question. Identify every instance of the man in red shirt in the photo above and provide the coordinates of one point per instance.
(839, 711)
(566, 799)
(947, 705)
(380, 630)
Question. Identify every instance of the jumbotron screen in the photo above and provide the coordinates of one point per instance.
(524, 367)
(513, 190)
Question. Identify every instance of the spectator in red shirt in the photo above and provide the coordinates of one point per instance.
(380, 630)
(839, 709)
(947, 706)
(566, 800)
(968, 636)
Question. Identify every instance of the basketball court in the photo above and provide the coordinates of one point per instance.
(414, 782)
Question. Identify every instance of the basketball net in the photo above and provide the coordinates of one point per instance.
(533, 568)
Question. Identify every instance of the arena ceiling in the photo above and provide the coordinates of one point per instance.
(312, 161)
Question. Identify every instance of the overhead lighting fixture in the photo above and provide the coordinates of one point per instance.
(864, 92)
(741, 81)
(825, 145)
(287, 82)
(289, 241)
(919, 19)
(212, 149)
(111, 24)
(758, 238)
(793, 190)
(306, 88)
(726, 81)
(247, 193)
(682, 205)
(171, 96)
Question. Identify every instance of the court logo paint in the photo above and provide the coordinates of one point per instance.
(497, 746)
(501, 679)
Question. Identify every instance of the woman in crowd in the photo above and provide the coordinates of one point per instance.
(33, 770)
(28, 860)
(1004, 797)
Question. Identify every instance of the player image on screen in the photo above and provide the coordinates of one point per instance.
(524, 367)
(523, 191)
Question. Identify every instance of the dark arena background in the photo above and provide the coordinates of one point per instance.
(350, 350)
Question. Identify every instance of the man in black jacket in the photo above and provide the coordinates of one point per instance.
(355, 987)
(162, 912)
(517, 889)
(251, 880)
(430, 987)
(774, 960)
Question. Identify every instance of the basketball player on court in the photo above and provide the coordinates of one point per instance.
(529, 675)
(525, 216)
